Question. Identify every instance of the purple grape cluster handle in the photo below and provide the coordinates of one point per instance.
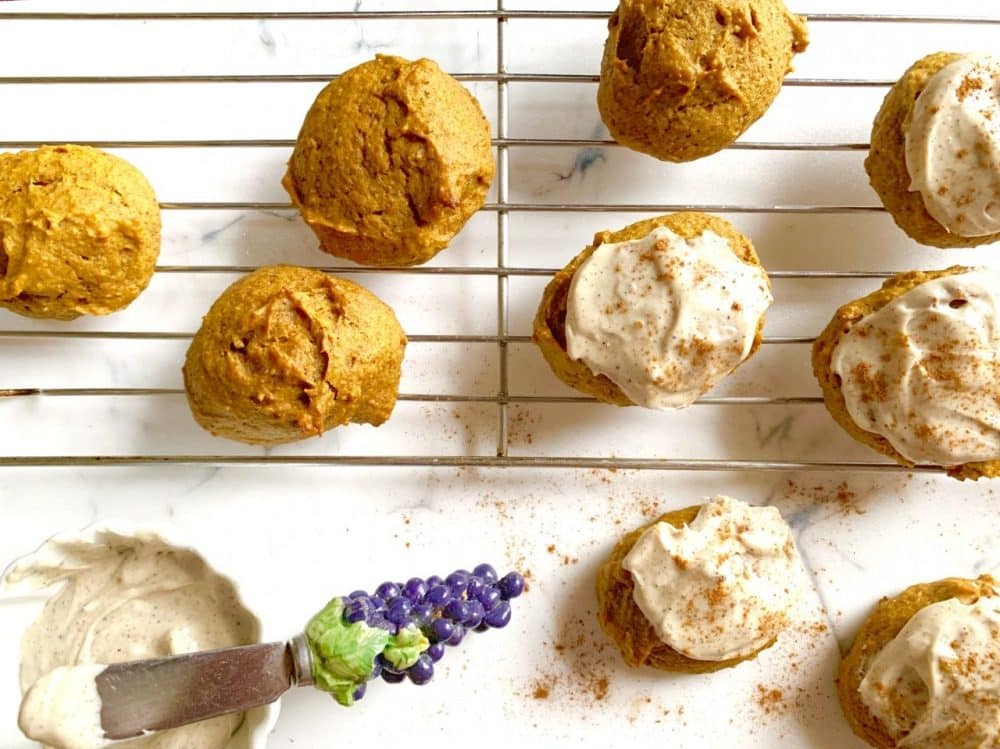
(444, 610)
(401, 630)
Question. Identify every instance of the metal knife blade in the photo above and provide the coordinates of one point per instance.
(162, 693)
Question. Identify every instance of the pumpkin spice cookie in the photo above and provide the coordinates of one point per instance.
(701, 589)
(655, 314)
(682, 79)
(286, 353)
(911, 370)
(923, 670)
(393, 158)
(935, 150)
(79, 232)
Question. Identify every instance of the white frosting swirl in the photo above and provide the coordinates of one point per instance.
(936, 685)
(665, 318)
(721, 587)
(953, 146)
(924, 370)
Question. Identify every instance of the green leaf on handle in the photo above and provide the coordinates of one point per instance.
(343, 654)
(404, 648)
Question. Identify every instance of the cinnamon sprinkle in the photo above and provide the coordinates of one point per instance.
(770, 700)
(542, 690)
(967, 86)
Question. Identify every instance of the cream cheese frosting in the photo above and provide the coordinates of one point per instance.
(664, 317)
(721, 587)
(63, 709)
(121, 598)
(953, 146)
(924, 370)
(936, 685)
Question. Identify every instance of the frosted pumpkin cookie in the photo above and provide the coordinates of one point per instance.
(79, 232)
(924, 670)
(655, 314)
(912, 369)
(935, 150)
(286, 353)
(682, 79)
(393, 158)
(700, 589)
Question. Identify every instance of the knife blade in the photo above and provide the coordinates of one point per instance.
(162, 693)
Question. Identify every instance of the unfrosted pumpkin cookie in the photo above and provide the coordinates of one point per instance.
(911, 369)
(393, 158)
(655, 314)
(700, 589)
(287, 353)
(935, 150)
(79, 232)
(922, 672)
(682, 79)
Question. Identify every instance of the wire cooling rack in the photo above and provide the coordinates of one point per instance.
(502, 271)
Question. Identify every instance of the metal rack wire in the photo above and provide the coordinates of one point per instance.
(502, 270)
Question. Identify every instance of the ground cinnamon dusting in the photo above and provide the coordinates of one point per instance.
(841, 497)
(649, 507)
(599, 687)
(542, 690)
(873, 385)
(567, 560)
(521, 425)
(789, 692)
(967, 86)
(581, 675)
(770, 700)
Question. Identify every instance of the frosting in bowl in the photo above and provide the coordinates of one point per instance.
(721, 587)
(936, 685)
(953, 146)
(664, 317)
(122, 598)
(923, 371)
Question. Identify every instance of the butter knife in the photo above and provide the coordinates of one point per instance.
(161, 693)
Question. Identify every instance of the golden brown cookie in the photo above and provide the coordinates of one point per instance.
(550, 320)
(393, 158)
(886, 162)
(682, 79)
(881, 627)
(79, 232)
(286, 353)
(833, 397)
(623, 621)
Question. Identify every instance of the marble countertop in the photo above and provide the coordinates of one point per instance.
(550, 679)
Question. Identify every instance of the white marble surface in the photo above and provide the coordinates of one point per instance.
(300, 534)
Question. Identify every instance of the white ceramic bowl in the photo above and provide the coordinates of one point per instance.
(19, 607)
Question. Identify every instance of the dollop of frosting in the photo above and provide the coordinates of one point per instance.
(63, 709)
(936, 685)
(924, 370)
(953, 146)
(664, 317)
(121, 598)
(721, 587)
